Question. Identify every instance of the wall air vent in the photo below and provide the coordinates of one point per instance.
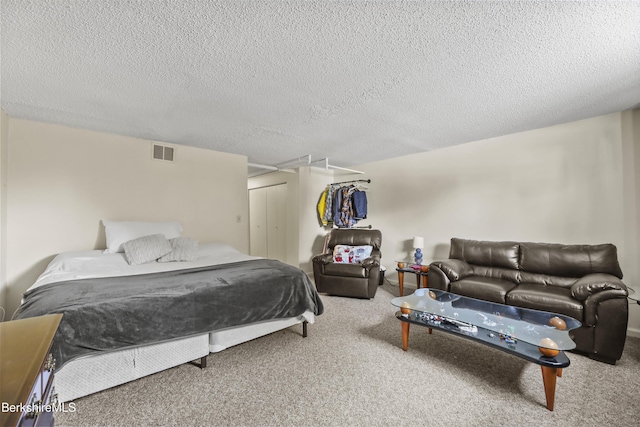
(162, 152)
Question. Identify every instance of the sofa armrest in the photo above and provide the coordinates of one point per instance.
(442, 273)
(454, 269)
(323, 258)
(593, 284)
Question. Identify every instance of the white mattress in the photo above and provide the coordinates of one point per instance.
(91, 264)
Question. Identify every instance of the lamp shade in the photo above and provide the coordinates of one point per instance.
(418, 242)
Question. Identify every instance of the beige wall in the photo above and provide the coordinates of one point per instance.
(564, 184)
(4, 131)
(62, 182)
(636, 191)
(630, 166)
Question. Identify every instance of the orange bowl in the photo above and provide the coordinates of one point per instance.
(548, 347)
(405, 308)
(558, 323)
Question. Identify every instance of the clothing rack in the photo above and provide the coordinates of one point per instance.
(341, 212)
(369, 227)
(368, 181)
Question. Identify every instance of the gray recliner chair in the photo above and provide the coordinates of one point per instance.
(359, 280)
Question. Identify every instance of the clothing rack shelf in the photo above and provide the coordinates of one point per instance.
(368, 181)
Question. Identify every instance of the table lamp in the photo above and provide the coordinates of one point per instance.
(418, 244)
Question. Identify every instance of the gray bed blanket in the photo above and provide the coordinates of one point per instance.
(113, 313)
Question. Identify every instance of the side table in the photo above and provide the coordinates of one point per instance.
(421, 271)
(26, 371)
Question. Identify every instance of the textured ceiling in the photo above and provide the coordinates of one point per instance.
(354, 81)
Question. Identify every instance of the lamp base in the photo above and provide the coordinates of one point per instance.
(418, 256)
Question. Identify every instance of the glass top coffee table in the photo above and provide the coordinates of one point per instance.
(537, 336)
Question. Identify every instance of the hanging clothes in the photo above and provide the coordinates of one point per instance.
(346, 208)
(360, 204)
(322, 207)
(328, 212)
(337, 207)
(342, 204)
(343, 213)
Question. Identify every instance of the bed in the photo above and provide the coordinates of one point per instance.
(122, 322)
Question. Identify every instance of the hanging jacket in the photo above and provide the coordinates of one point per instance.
(359, 204)
(345, 218)
(337, 206)
(328, 211)
(322, 206)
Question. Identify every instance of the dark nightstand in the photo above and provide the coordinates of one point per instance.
(421, 272)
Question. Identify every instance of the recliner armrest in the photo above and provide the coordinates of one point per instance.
(371, 262)
(592, 284)
(454, 269)
(323, 258)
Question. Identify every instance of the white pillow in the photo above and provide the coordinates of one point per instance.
(118, 232)
(345, 254)
(146, 249)
(183, 249)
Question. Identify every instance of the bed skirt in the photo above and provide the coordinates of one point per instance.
(91, 374)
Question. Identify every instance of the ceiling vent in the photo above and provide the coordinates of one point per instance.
(162, 152)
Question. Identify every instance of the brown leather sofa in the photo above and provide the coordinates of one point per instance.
(581, 281)
(350, 280)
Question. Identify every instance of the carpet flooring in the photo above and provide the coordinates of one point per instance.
(351, 370)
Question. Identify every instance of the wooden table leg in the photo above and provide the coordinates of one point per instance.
(425, 281)
(405, 335)
(401, 280)
(418, 280)
(549, 376)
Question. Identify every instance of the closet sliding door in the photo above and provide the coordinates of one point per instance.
(258, 222)
(267, 221)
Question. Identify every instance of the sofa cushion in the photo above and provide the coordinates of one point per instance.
(548, 298)
(484, 288)
(490, 254)
(569, 260)
(545, 279)
(496, 273)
